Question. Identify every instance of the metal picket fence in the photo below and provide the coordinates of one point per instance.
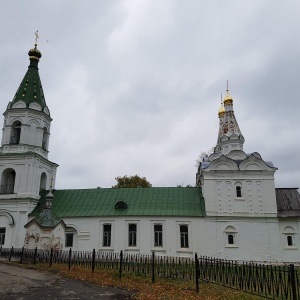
(268, 281)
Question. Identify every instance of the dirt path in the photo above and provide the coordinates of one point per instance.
(26, 284)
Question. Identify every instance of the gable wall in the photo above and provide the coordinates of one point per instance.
(258, 193)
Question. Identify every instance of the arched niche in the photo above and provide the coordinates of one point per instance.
(10, 218)
(35, 106)
(289, 230)
(237, 155)
(47, 111)
(19, 104)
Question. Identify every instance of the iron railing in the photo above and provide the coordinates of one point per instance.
(6, 189)
(14, 139)
(268, 281)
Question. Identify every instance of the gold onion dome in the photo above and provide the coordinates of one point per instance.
(222, 109)
(228, 99)
(35, 53)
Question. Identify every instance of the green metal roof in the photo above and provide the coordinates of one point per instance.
(30, 89)
(140, 202)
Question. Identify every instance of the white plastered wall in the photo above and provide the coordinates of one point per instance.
(90, 234)
(255, 239)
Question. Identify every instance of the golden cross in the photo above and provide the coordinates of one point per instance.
(36, 36)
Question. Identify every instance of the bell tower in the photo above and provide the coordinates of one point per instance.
(24, 165)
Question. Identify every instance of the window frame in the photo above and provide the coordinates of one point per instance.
(238, 191)
(2, 235)
(230, 235)
(152, 235)
(132, 236)
(184, 236)
(158, 235)
(106, 235)
(230, 239)
(69, 234)
(290, 237)
(290, 240)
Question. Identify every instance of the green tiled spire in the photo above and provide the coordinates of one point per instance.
(30, 89)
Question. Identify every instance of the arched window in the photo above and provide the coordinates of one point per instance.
(290, 240)
(120, 205)
(238, 191)
(45, 138)
(230, 237)
(43, 182)
(15, 132)
(8, 181)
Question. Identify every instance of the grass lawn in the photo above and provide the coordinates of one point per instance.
(143, 287)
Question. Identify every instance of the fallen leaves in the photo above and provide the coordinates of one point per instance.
(144, 289)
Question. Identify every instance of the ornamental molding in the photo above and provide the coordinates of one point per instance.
(7, 214)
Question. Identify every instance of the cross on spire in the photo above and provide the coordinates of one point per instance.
(227, 88)
(36, 37)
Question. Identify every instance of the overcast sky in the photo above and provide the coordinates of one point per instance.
(134, 86)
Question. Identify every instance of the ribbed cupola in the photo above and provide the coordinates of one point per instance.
(230, 136)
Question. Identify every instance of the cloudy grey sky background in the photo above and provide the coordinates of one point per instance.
(134, 86)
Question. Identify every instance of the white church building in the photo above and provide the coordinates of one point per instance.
(233, 212)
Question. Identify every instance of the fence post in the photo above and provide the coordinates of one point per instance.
(153, 267)
(51, 256)
(197, 272)
(93, 261)
(21, 257)
(69, 258)
(121, 264)
(293, 282)
(34, 255)
(11, 252)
